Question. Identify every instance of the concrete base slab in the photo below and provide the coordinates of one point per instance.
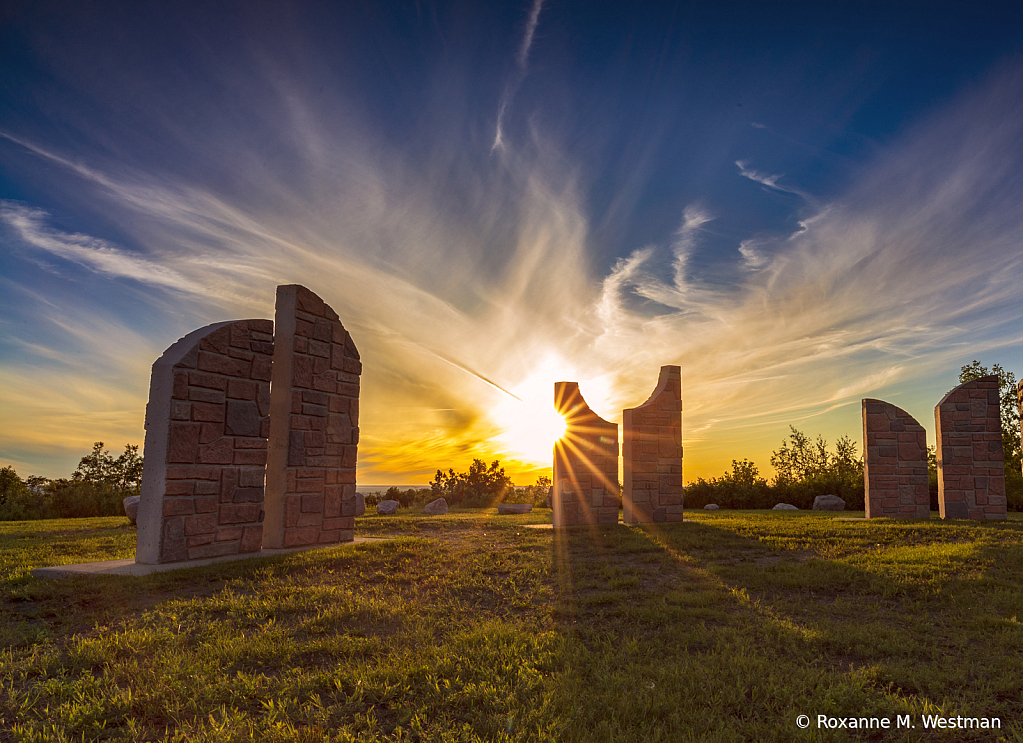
(130, 567)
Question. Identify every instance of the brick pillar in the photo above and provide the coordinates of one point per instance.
(895, 463)
(971, 474)
(652, 453)
(206, 442)
(314, 425)
(585, 463)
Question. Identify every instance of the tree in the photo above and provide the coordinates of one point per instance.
(478, 486)
(803, 460)
(10, 484)
(100, 468)
(806, 468)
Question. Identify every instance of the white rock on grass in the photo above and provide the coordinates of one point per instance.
(506, 508)
(711, 507)
(387, 507)
(437, 507)
(784, 507)
(131, 507)
(828, 503)
(360, 504)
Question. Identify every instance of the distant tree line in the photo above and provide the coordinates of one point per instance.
(805, 469)
(480, 486)
(96, 488)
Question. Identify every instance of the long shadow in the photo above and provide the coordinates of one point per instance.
(763, 626)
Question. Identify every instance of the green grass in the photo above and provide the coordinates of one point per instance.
(471, 627)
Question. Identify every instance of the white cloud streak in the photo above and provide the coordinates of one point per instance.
(512, 86)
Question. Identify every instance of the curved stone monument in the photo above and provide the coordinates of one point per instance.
(652, 453)
(585, 463)
(895, 463)
(971, 474)
(206, 444)
(314, 425)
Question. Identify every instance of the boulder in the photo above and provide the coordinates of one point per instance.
(387, 507)
(711, 507)
(437, 507)
(360, 504)
(506, 508)
(828, 503)
(131, 507)
(784, 507)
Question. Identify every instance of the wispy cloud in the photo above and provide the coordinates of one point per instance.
(771, 181)
(29, 224)
(522, 68)
(527, 37)
(458, 284)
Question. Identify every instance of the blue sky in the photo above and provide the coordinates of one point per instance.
(801, 205)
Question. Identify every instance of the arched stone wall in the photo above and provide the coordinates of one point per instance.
(895, 463)
(585, 463)
(206, 444)
(314, 425)
(971, 475)
(652, 453)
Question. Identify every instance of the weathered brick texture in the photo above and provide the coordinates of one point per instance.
(585, 463)
(206, 444)
(895, 463)
(314, 425)
(652, 453)
(971, 478)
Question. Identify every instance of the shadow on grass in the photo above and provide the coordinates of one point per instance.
(729, 628)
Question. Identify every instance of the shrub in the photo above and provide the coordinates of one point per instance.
(480, 486)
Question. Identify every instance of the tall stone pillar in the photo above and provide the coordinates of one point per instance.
(314, 425)
(206, 443)
(585, 463)
(895, 463)
(971, 474)
(652, 453)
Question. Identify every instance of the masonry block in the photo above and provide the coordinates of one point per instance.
(201, 412)
(971, 475)
(585, 463)
(895, 476)
(652, 453)
(311, 385)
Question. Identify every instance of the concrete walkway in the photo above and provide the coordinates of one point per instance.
(130, 567)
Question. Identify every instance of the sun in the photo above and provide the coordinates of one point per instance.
(530, 425)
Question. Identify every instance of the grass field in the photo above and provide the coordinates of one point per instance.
(472, 627)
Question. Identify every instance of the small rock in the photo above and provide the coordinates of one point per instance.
(711, 507)
(784, 507)
(437, 507)
(360, 504)
(506, 508)
(387, 507)
(828, 503)
(131, 507)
